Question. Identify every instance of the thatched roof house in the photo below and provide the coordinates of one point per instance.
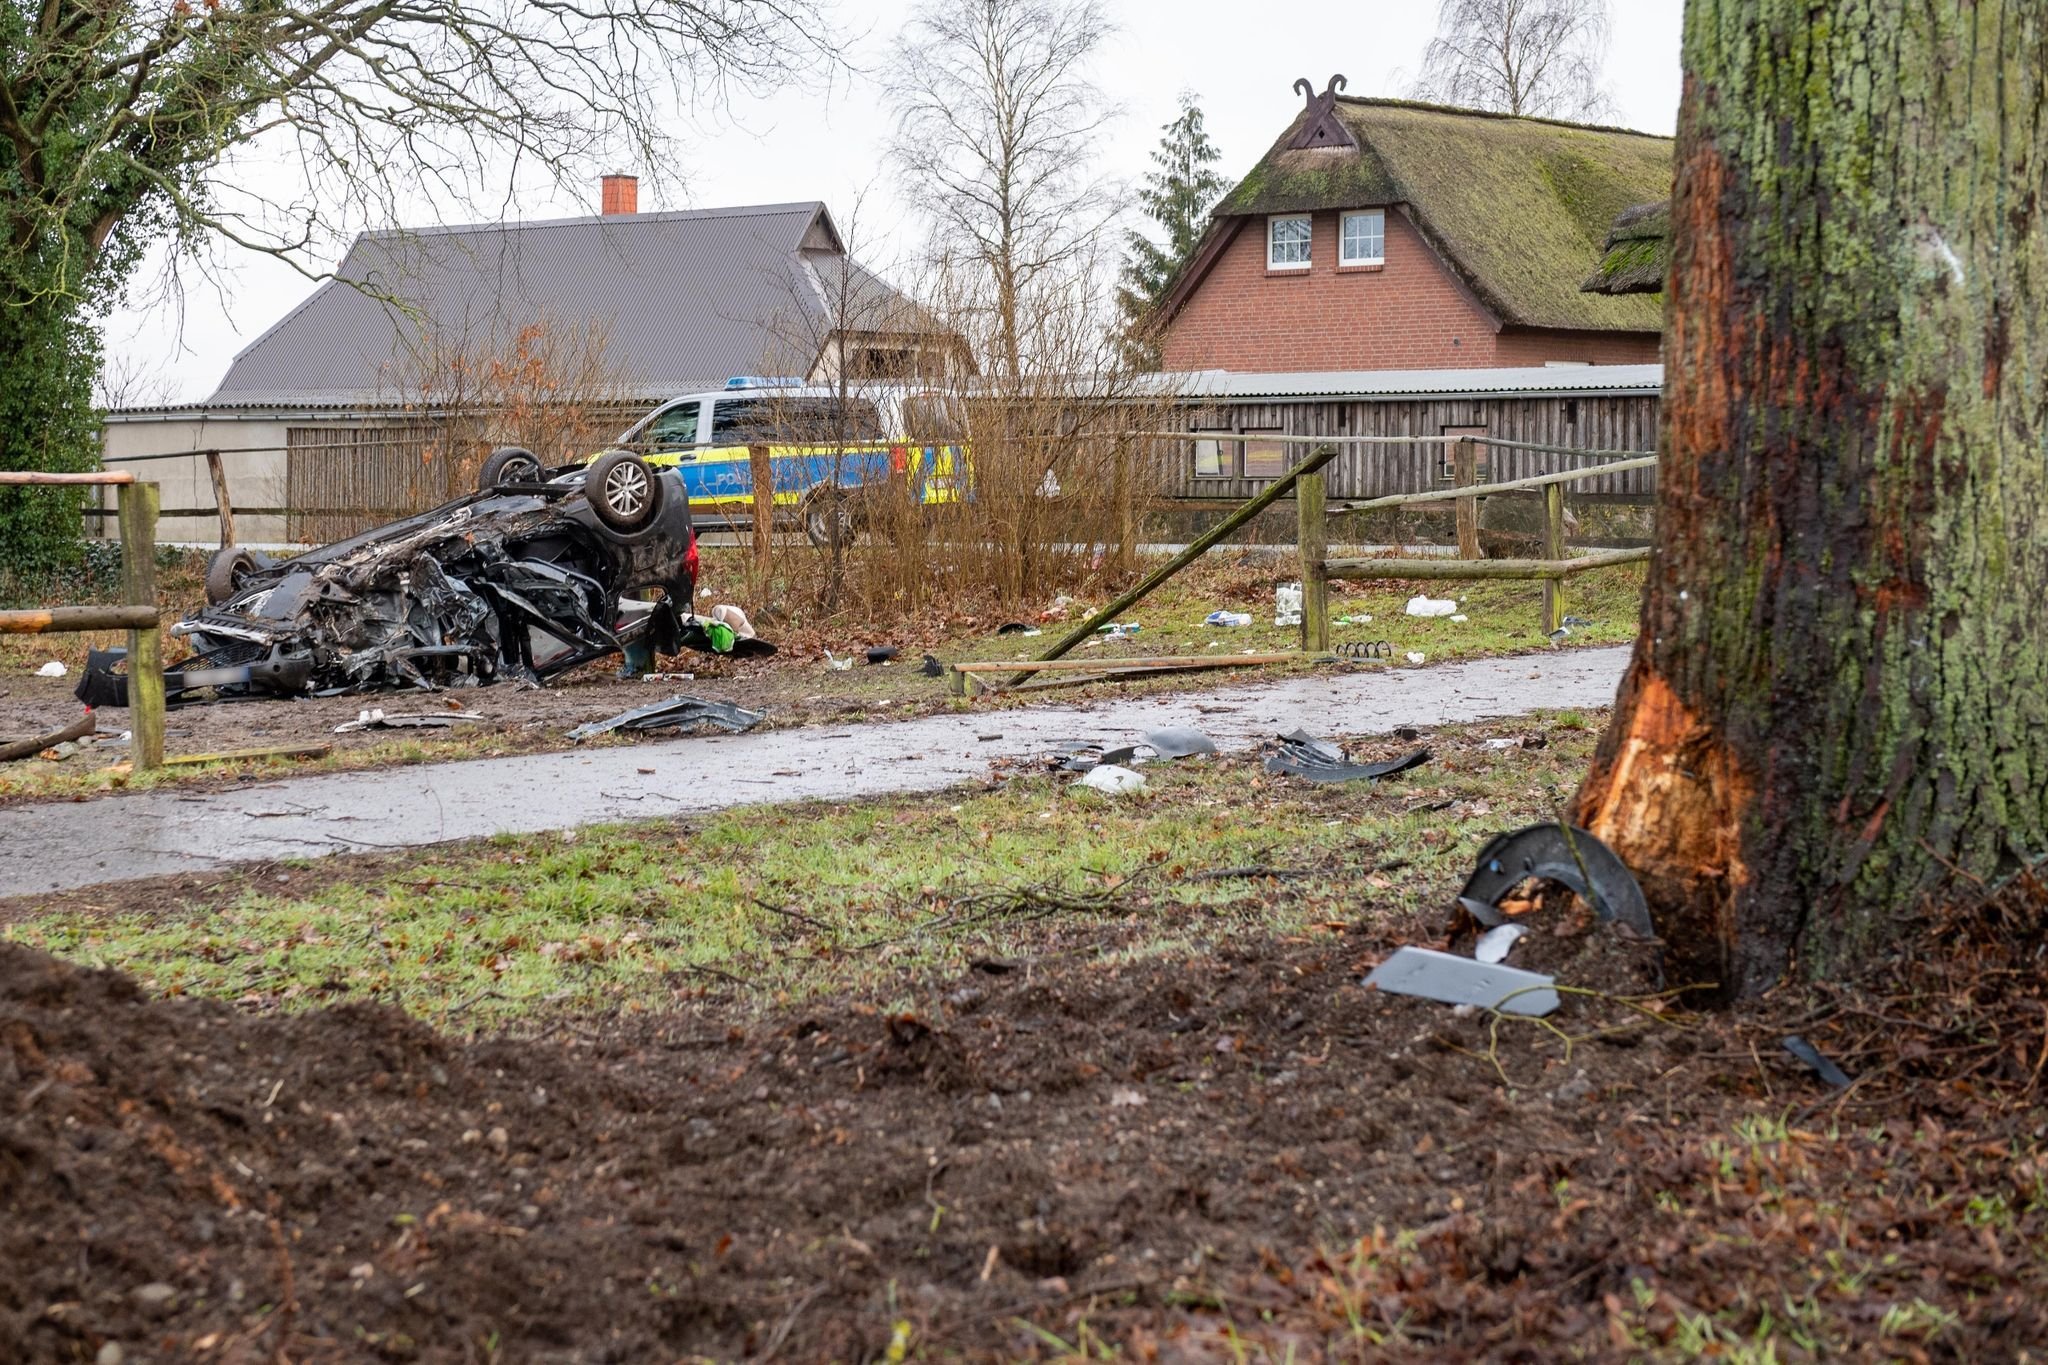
(1392, 234)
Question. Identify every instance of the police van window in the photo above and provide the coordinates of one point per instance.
(752, 421)
(675, 429)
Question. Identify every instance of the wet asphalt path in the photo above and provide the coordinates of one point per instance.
(65, 845)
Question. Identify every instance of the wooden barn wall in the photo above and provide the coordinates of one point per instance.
(1597, 424)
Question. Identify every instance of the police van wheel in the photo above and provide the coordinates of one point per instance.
(820, 508)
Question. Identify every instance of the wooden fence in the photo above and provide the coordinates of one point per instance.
(137, 614)
(1306, 481)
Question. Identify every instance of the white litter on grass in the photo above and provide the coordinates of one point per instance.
(1431, 606)
(836, 663)
(1287, 604)
(52, 669)
(1415, 658)
(1495, 944)
(1111, 780)
(1461, 616)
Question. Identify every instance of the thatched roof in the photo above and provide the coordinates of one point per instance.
(1516, 206)
(1638, 252)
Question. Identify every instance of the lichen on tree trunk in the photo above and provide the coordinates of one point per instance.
(1838, 704)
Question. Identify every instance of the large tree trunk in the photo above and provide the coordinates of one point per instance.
(1839, 700)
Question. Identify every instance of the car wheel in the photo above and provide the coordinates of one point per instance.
(508, 464)
(623, 491)
(226, 572)
(820, 508)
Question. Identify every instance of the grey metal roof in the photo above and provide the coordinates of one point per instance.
(688, 299)
(1580, 380)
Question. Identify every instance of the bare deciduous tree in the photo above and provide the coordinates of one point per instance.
(996, 117)
(117, 118)
(1541, 58)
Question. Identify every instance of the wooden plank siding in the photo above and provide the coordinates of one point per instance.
(1365, 471)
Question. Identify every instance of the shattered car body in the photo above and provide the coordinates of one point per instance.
(523, 580)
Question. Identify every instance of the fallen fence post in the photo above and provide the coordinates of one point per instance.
(139, 503)
(1317, 458)
(1313, 540)
(221, 504)
(963, 677)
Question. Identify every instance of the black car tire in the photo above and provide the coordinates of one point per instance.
(623, 491)
(820, 508)
(226, 572)
(509, 464)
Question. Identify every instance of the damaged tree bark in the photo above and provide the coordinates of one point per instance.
(1839, 699)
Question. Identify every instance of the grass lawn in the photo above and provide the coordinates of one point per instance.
(771, 903)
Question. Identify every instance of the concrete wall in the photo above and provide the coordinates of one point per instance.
(252, 456)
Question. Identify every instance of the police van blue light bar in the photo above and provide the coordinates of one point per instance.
(756, 381)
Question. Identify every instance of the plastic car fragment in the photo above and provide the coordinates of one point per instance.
(1303, 755)
(1567, 855)
(676, 712)
(1454, 980)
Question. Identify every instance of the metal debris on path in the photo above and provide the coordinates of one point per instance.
(1080, 755)
(1812, 1058)
(377, 719)
(673, 713)
(1178, 742)
(1565, 854)
(1303, 755)
(1453, 980)
(932, 667)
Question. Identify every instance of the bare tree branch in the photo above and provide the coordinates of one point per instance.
(1540, 58)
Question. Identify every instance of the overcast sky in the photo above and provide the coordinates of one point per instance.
(814, 141)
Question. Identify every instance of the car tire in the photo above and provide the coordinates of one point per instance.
(623, 490)
(226, 572)
(509, 464)
(818, 511)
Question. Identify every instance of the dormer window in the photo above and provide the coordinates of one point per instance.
(1363, 238)
(1287, 241)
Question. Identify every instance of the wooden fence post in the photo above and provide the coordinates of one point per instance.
(764, 521)
(1553, 548)
(220, 498)
(1313, 539)
(1465, 470)
(138, 509)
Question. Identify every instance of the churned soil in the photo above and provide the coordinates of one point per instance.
(1026, 1160)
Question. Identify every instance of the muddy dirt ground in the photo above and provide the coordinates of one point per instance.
(1244, 1153)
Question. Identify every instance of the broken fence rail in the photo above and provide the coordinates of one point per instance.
(137, 615)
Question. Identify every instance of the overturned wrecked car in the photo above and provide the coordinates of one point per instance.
(524, 579)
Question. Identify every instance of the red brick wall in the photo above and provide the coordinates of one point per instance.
(1410, 314)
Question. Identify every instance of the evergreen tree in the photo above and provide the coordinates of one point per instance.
(1177, 196)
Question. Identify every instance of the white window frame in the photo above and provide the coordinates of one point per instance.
(1308, 245)
(1344, 257)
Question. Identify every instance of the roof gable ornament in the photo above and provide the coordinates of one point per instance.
(1323, 128)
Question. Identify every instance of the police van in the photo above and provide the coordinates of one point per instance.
(827, 451)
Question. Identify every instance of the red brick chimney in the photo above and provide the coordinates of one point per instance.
(621, 194)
